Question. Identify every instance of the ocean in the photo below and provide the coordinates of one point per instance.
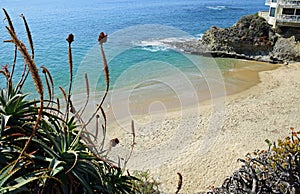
(140, 63)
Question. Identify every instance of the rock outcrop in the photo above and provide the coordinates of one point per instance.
(250, 35)
(250, 38)
(286, 49)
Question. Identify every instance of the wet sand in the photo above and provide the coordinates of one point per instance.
(175, 95)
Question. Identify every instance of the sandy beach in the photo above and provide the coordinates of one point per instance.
(203, 143)
(169, 108)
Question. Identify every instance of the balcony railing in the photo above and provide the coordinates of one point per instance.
(268, 2)
(288, 18)
(287, 2)
(284, 2)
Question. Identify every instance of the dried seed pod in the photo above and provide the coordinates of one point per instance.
(102, 38)
(114, 142)
(70, 38)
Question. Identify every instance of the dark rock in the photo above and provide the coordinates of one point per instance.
(286, 49)
(289, 32)
(250, 38)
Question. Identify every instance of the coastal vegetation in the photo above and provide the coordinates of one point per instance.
(45, 148)
(275, 170)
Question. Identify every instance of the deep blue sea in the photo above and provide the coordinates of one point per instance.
(136, 29)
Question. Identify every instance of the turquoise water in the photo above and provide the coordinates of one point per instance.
(136, 28)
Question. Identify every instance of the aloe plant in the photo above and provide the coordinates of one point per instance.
(44, 149)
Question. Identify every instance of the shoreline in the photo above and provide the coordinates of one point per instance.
(138, 102)
(266, 110)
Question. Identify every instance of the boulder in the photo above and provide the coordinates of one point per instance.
(286, 49)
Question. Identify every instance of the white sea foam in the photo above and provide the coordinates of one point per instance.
(199, 36)
(164, 44)
(154, 48)
(218, 7)
(152, 45)
(157, 43)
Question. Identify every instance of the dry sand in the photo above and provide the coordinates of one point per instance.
(203, 143)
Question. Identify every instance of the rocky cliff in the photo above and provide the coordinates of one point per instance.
(250, 38)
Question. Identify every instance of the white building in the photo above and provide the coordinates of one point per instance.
(283, 13)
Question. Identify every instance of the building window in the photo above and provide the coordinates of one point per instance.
(288, 11)
(272, 11)
(297, 11)
(274, 1)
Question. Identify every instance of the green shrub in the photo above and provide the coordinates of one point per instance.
(145, 184)
(276, 170)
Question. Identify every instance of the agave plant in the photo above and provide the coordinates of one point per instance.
(17, 116)
(44, 149)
